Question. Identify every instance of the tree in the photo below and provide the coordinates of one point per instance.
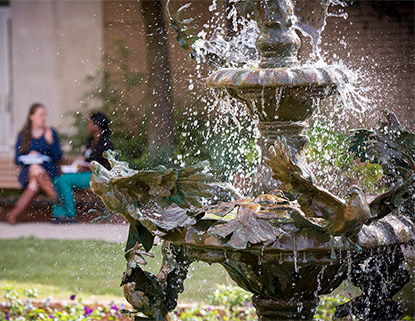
(159, 95)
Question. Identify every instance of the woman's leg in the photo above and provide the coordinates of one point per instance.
(64, 186)
(38, 173)
(24, 201)
(60, 210)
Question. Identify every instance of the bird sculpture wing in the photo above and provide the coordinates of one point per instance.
(319, 208)
(314, 200)
(385, 203)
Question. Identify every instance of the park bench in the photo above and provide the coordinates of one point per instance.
(41, 209)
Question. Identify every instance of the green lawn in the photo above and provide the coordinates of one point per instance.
(87, 268)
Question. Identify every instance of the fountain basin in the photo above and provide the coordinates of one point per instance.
(287, 276)
(390, 230)
(277, 77)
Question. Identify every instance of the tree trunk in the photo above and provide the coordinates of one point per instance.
(159, 95)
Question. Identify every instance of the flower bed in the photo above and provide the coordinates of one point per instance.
(229, 303)
(18, 307)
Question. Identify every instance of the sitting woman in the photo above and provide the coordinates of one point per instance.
(99, 141)
(38, 152)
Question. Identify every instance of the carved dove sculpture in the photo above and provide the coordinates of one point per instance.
(341, 218)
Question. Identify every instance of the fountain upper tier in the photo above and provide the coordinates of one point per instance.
(259, 78)
(280, 89)
(280, 94)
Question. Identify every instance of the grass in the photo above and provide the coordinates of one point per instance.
(87, 268)
(92, 270)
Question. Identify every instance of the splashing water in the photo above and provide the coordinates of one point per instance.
(229, 132)
(311, 18)
(240, 51)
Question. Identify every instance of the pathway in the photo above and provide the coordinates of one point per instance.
(106, 232)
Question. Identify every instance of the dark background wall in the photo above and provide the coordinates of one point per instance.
(379, 37)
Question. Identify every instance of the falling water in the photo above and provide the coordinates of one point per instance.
(260, 258)
(295, 253)
(332, 251)
(349, 281)
(239, 51)
(311, 19)
(320, 277)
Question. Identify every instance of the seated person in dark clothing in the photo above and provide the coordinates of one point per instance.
(99, 141)
(38, 152)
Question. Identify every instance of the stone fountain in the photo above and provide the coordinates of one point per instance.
(285, 245)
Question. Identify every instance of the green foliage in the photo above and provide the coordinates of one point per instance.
(327, 307)
(199, 314)
(19, 306)
(235, 304)
(326, 146)
(231, 297)
(335, 168)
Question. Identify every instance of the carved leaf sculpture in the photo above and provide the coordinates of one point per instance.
(170, 218)
(253, 221)
(185, 38)
(163, 186)
(138, 234)
(392, 146)
(155, 295)
(247, 227)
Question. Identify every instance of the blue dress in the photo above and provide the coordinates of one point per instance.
(41, 146)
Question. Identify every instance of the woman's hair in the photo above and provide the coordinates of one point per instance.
(102, 121)
(27, 129)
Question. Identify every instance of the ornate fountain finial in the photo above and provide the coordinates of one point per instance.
(278, 43)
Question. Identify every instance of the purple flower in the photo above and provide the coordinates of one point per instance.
(51, 317)
(7, 317)
(248, 304)
(72, 297)
(88, 310)
(114, 307)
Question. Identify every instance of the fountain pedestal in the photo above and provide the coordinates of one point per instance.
(271, 309)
